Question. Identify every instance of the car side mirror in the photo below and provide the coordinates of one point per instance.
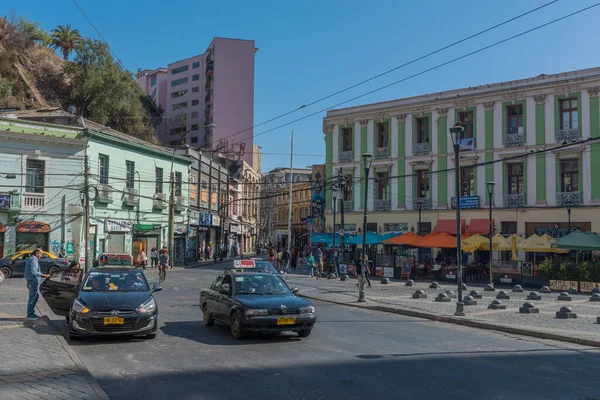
(295, 290)
(224, 291)
(157, 288)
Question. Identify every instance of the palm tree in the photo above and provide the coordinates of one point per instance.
(65, 38)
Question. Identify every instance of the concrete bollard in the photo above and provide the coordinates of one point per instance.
(442, 298)
(564, 296)
(409, 282)
(464, 286)
(497, 305)
(534, 296)
(565, 313)
(450, 294)
(518, 289)
(489, 288)
(545, 289)
(331, 276)
(419, 294)
(343, 278)
(475, 294)
(385, 281)
(529, 308)
(595, 297)
(573, 290)
(469, 301)
(502, 295)
(596, 290)
(434, 285)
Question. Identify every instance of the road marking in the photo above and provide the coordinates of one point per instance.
(10, 326)
(2, 315)
(10, 304)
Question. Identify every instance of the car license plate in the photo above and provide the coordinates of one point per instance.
(286, 321)
(114, 321)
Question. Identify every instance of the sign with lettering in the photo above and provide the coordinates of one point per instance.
(562, 286)
(466, 202)
(4, 201)
(114, 225)
(587, 287)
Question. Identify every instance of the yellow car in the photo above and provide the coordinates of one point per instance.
(14, 264)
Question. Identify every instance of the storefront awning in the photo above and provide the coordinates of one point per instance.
(449, 226)
(33, 227)
(479, 226)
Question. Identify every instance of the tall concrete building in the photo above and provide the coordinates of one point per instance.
(208, 99)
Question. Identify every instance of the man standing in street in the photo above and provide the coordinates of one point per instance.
(33, 277)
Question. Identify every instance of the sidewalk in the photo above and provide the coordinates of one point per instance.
(35, 360)
(397, 298)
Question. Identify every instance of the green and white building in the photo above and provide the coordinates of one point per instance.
(513, 135)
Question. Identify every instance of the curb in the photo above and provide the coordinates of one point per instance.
(468, 323)
(100, 393)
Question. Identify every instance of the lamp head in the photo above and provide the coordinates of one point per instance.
(456, 132)
(368, 159)
(490, 187)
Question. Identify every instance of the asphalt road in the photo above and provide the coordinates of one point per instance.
(351, 354)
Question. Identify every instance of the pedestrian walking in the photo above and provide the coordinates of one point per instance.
(163, 264)
(319, 263)
(359, 266)
(33, 277)
(310, 260)
(279, 259)
(272, 256)
(142, 260)
(286, 260)
(153, 257)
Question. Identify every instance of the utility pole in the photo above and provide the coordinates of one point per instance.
(86, 211)
(289, 241)
(170, 245)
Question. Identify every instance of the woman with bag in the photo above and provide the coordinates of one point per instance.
(142, 260)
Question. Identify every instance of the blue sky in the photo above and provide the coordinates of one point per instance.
(310, 48)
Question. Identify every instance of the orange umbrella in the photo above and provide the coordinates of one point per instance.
(407, 239)
(438, 240)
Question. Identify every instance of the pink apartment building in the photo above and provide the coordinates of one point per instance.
(214, 88)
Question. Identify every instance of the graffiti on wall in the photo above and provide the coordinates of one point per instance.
(316, 222)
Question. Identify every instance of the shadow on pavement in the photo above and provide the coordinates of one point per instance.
(219, 334)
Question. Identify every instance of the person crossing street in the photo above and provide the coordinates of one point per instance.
(33, 277)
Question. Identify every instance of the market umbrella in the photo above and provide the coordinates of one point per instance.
(473, 243)
(584, 241)
(371, 239)
(539, 244)
(407, 239)
(437, 240)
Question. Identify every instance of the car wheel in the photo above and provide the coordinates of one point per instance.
(206, 317)
(6, 271)
(237, 331)
(53, 270)
(304, 333)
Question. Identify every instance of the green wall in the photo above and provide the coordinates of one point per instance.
(443, 159)
(363, 149)
(595, 149)
(328, 167)
(540, 159)
(489, 144)
(401, 166)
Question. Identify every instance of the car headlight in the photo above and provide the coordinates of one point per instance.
(307, 310)
(257, 311)
(79, 307)
(148, 307)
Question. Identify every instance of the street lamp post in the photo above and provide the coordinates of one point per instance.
(456, 135)
(367, 160)
(569, 214)
(332, 264)
(490, 188)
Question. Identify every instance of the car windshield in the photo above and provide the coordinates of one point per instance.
(265, 266)
(111, 281)
(259, 284)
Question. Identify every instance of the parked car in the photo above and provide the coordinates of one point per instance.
(256, 302)
(110, 300)
(14, 265)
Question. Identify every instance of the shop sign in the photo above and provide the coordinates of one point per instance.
(506, 279)
(4, 201)
(466, 202)
(180, 229)
(146, 227)
(216, 220)
(205, 219)
(33, 227)
(116, 225)
(233, 228)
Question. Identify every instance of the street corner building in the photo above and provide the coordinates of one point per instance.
(43, 186)
(536, 138)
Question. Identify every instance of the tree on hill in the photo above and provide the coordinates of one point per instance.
(66, 39)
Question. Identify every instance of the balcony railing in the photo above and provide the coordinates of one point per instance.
(346, 156)
(33, 201)
(514, 140)
(382, 153)
(421, 203)
(421, 149)
(568, 199)
(348, 205)
(381, 205)
(563, 135)
(514, 200)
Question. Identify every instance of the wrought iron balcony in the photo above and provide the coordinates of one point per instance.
(381, 205)
(421, 149)
(346, 156)
(514, 200)
(567, 135)
(514, 140)
(421, 203)
(382, 153)
(568, 199)
(348, 205)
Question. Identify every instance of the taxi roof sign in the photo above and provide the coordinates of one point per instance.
(115, 259)
(242, 264)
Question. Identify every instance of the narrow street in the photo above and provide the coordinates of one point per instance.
(351, 354)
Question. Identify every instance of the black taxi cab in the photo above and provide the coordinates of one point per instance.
(253, 300)
(113, 298)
